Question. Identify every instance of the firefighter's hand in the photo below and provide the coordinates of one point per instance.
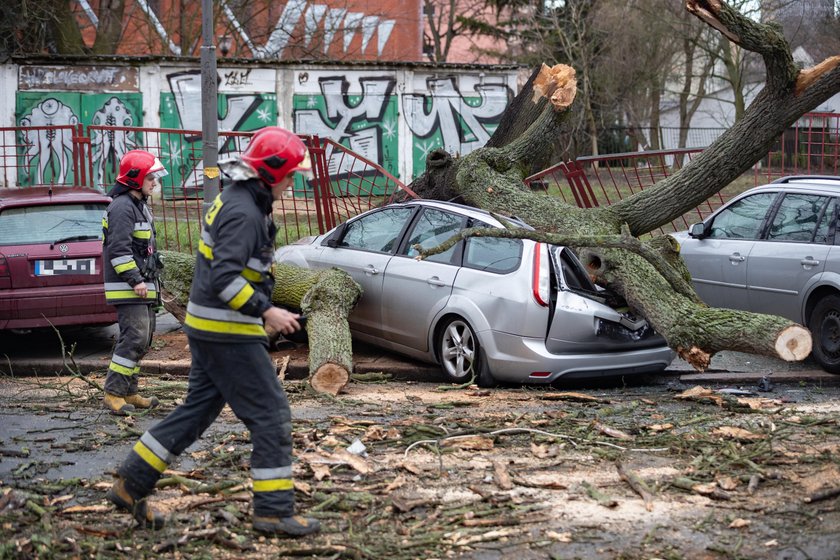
(281, 320)
(141, 289)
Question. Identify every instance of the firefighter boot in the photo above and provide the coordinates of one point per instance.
(144, 513)
(118, 405)
(137, 401)
(295, 526)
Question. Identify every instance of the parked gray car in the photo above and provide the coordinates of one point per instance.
(775, 249)
(506, 309)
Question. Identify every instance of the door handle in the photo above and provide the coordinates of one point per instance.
(736, 258)
(435, 281)
(809, 261)
(370, 269)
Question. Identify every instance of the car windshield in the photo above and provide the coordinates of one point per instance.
(46, 224)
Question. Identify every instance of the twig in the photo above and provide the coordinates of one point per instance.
(823, 495)
(637, 484)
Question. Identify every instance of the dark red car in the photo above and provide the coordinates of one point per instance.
(51, 258)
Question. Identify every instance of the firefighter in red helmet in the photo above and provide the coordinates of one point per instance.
(229, 308)
(130, 275)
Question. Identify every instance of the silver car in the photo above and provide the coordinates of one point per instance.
(774, 249)
(503, 309)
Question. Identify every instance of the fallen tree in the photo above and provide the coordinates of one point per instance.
(326, 297)
(492, 178)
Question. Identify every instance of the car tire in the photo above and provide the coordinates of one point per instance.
(824, 324)
(461, 354)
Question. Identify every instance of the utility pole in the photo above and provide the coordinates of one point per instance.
(209, 105)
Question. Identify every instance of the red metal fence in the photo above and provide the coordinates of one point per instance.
(342, 184)
(345, 184)
(812, 146)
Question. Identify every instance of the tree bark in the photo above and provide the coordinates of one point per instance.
(491, 178)
(326, 297)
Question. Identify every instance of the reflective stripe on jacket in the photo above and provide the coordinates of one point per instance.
(129, 239)
(232, 284)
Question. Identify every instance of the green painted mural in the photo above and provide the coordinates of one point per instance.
(46, 150)
(366, 123)
(239, 108)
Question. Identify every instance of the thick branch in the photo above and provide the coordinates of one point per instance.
(624, 241)
(695, 331)
(786, 96)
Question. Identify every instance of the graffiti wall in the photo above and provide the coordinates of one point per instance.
(456, 113)
(52, 100)
(390, 115)
(246, 101)
(361, 110)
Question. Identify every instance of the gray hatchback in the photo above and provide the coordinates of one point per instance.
(505, 309)
(775, 249)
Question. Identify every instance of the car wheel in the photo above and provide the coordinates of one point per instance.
(825, 328)
(461, 354)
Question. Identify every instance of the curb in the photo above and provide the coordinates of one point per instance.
(296, 369)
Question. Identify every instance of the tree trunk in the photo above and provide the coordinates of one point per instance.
(110, 28)
(491, 178)
(326, 297)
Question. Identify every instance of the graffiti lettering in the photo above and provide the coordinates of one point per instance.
(462, 125)
(46, 77)
(360, 126)
(237, 78)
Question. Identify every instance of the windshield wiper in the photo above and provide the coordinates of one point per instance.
(73, 238)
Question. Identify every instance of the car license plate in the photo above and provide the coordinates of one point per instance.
(65, 266)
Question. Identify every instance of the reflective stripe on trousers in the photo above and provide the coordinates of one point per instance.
(242, 375)
(137, 324)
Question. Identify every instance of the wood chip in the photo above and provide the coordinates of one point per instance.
(610, 431)
(475, 443)
(736, 433)
(699, 393)
(501, 476)
(572, 396)
(87, 509)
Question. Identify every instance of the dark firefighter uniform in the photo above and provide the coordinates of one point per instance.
(231, 289)
(129, 243)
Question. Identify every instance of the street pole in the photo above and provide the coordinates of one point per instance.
(209, 105)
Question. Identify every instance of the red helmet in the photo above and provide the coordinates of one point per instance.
(275, 152)
(135, 165)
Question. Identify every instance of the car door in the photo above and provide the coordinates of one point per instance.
(717, 262)
(793, 251)
(363, 251)
(414, 291)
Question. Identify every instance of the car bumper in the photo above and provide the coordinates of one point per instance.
(526, 360)
(31, 308)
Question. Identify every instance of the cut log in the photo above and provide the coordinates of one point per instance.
(326, 297)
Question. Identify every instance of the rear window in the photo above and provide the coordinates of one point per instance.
(493, 254)
(47, 224)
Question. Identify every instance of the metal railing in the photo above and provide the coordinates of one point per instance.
(342, 184)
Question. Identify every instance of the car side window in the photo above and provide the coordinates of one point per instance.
(493, 254)
(433, 227)
(742, 219)
(378, 231)
(828, 225)
(798, 218)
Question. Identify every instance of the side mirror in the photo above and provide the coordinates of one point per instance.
(334, 240)
(697, 231)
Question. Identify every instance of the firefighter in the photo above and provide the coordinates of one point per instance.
(130, 271)
(228, 310)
